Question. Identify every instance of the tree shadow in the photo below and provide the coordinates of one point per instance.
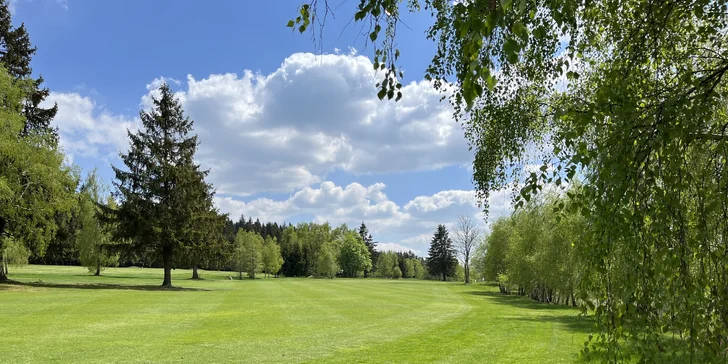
(102, 286)
(520, 301)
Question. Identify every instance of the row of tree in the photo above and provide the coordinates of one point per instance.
(533, 252)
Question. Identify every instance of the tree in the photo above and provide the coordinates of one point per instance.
(354, 255)
(419, 269)
(467, 235)
(327, 266)
(441, 261)
(16, 53)
(162, 193)
(35, 185)
(14, 254)
(248, 256)
(93, 239)
(640, 120)
(368, 240)
(272, 259)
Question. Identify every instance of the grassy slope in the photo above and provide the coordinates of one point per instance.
(122, 317)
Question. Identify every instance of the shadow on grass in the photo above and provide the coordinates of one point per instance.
(121, 287)
(563, 315)
(520, 301)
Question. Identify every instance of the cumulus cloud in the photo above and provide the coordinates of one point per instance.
(87, 129)
(313, 115)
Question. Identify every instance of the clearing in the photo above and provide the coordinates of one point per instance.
(63, 314)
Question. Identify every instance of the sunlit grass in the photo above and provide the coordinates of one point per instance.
(63, 314)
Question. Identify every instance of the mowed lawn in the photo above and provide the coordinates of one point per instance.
(123, 317)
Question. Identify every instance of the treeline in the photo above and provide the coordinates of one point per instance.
(159, 210)
(533, 252)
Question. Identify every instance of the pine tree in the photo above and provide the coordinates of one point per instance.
(16, 53)
(371, 246)
(441, 260)
(163, 195)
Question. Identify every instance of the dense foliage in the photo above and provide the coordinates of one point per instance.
(35, 184)
(627, 97)
(535, 252)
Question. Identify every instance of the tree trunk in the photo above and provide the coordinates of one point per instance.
(98, 269)
(444, 277)
(3, 269)
(167, 269)
(195, 275)
(241, 275)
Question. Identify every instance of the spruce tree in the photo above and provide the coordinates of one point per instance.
(16, 53)
(371, 246)
(441, 260)
(165, 204)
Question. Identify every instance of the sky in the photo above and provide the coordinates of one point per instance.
(290, 129)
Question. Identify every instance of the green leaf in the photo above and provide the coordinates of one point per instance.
(382, 93)
(290, 24)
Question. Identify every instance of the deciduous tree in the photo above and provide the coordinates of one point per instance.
(35, 185)
(467, 236)
(93, 239)
(353, 255)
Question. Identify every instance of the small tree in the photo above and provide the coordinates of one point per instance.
(368, 240)
(441, 260)
(14, 253)
(248, 255)
(396, 273)
(93, 239)
(467, 235)
(354, 255)
(326, 265)
(419, 269)
(272, 259)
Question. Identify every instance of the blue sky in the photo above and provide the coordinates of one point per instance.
(287, 132)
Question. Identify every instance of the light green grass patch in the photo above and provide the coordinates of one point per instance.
(122, 316)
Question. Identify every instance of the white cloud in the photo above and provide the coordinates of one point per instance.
(313, 115)
(88, 130)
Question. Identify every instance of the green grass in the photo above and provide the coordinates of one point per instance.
(123, 316)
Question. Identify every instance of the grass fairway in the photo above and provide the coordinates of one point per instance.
(122, 317)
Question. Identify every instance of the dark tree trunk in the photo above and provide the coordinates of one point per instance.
(444, 277)
(195, 275)
(98, 269)
(241, 275)
(167, 269)
(3, 269)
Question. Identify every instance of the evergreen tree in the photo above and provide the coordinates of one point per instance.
(163, 195)
(92, 237)
(371, 246)
(441, 260)
(16, 53)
